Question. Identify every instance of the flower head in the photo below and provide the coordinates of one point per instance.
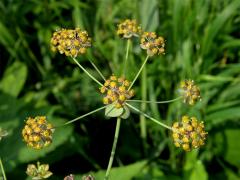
(70, 42)
(116, 90)
(189, 133)
(152, 43)
(37, 132)
(41, 171)
(128, 28)
(190, 92)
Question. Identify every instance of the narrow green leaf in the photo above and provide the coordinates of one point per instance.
(149, 15)
(7, 39)
(186, 58)
(223, 115)
(214, 27)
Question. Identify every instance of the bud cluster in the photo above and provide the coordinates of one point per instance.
(116, 90)
(128, 28)
(190, 92)
(37, 132)
(70, 42)
(189, 133)
(152, 43)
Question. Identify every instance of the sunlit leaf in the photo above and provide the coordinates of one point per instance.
(14, 78)
(119, 173)
(232, 147)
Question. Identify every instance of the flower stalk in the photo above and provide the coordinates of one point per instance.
(126, 57)
(2, 169)
(155, 102)
(87, 114)
(149, 117)
(143, 127)
(113, 148)
(93, 78)
(140, 70)
(99, 72)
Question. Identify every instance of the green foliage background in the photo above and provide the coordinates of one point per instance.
(202, 43)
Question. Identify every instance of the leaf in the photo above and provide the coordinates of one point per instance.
(231, 175)
(149, 15)
(232, 147)
(126, 112)
(9, 107)
(221, 106)
(231, 43)
(7, 39)
(223, 115)
(194, 169)
(111, 111)
(191, 159)
(14, 79)
(186, 57)
(121, 173)
(198, 172)
(214, 27)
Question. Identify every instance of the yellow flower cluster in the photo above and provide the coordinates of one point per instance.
(41, 171)
(190, 92)
(152, 43)
(189, 133)
(70, 42)
(128, 28)
(37, 132)
(116, 91)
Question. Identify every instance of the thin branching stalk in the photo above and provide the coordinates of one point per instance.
(126, 57)
(99, 72)
(149, 117)
(143, 127)
(140, 70)
(113, 148)
(155, 102)
(93, 78)
(2, 169)
(80, 117)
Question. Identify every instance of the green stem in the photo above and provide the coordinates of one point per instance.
(126, 57)
(140, 70)
(155, 102)
(80, 117)
(2, 169)
(99, 72)
(143, 128)
(113, 148)
(93, 78)
(149, 117)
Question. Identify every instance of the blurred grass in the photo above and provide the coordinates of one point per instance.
(202, 39)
